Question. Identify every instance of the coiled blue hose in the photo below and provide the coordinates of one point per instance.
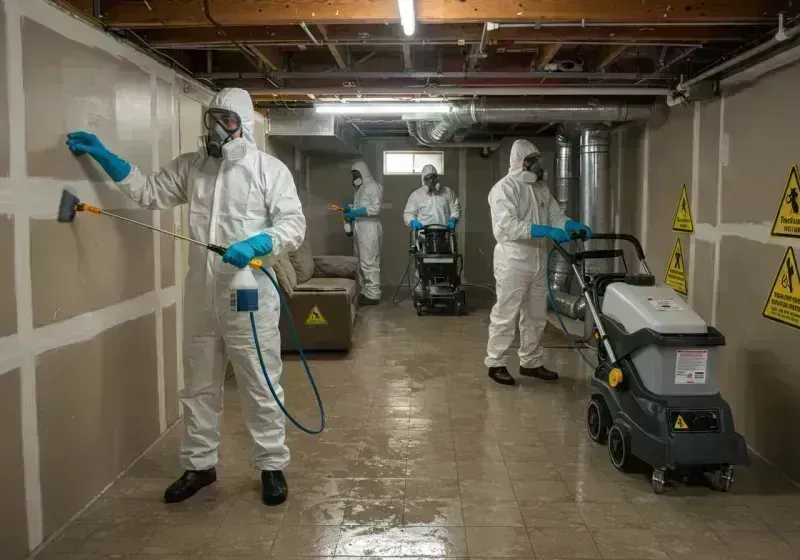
(302, 357)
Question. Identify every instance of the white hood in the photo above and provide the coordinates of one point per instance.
(363, 168)
(238, 101)
(519, 151)
(427, 170)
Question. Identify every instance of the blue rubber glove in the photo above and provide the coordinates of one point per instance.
(354, 213)
(573, 226)
(558, 235)
(86, 143)
(240, 254)
(415, 225)
(451, 223)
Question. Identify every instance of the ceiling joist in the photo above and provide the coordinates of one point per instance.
(189, 13)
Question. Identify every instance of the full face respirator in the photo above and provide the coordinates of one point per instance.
(357, 179)
(532, 169)
(222, 126)
(432, 182)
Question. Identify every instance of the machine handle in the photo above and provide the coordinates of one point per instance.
(623, 237)
(599, 254)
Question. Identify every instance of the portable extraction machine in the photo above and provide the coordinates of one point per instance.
(439, 265)
(656, 388)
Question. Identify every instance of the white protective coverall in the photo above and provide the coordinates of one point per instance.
(431, 208)
(242, 194)
(520, 262)
(368, 232)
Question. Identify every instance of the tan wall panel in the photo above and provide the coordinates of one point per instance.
(89, 264)
(670, 166)
(762, 123)
(4, 139)
(13, 521)
(97, 407)
(479, 241)
(165, 112)
(631, 177)
(169, 320)
(260, 132)
(703, 288)
(708, 161)
(759, 370)
(167, 250)
(8, 297)
(69, 86)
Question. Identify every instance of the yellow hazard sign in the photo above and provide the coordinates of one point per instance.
(783, 304)
(787, 218)
(680, 423)
(315, 317)
(676, 271)
(683, 215)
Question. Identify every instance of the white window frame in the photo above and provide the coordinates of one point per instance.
(439, 169)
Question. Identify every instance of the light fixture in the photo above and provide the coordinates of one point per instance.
(408, 19)
(382, 108)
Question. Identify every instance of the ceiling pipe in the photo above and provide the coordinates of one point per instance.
(460, 91)
(490, 111)
(356, 75)
(311, 36)
(413, 131)
(643, 24)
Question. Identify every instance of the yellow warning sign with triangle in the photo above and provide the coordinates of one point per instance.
(676, 271)
(680, 423)
(683, 215)
(315, 317)
(783, 303)
(787, 218)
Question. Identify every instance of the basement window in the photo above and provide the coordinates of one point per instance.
(411, 162)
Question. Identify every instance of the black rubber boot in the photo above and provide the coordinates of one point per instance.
(540, 372)
(364, 300)
(188, 485)
(501, 375)
(274, 489)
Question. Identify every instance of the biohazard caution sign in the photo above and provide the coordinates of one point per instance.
(315, 317)
(783, 304)
(683, 215)
(787, 218)
(680, 424)
(676, 271)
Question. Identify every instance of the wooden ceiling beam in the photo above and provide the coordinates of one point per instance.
(608, 55)
(189, 13)
(337, 56)
(271, 57)
(546, 53)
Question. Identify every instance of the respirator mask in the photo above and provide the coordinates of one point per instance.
(222, 126)
(357, 180)
(532, 170)
(432, 182)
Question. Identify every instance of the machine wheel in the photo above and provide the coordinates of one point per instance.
(420, 310)
(658, 480)
(725, 478)
(619, 447)
(598, 419)
(459, 306)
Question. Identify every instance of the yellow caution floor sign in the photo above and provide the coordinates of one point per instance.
(676, 271)
(680, 424)
(787, 218)
(315, 317)
(683, 215)
(783, 303)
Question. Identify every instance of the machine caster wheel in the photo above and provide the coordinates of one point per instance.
(725, 478)
(619, 448)
(659, 480)
(598, 420)
(458, 307)
(420, 310)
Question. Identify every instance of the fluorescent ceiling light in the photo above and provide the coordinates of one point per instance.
(407, 16)
(382, 108)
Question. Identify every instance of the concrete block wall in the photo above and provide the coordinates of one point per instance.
(89, 311)
(734, 154)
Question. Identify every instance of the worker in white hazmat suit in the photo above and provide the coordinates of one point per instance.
(524, 216)
(363, 213)
(432, 203)
(245, 200)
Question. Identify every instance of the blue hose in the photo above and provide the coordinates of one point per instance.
(302, 357)
(558, 315)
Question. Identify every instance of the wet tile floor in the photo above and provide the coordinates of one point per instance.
(424, 457)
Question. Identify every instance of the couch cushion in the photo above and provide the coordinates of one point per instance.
(327, 285)
(285, 275)
(303, 262)
(335, 266)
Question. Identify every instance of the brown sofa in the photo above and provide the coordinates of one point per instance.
(321, 293)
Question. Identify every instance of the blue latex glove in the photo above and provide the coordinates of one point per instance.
(240, 254)
(573, 226)
(415, 225)
(354, 213)
(558, 235)
(86, 143)
(451, 224)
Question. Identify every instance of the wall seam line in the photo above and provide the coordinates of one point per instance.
(718, 243)
(694, 197)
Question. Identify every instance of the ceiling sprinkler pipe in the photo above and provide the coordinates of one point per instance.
(443, 91)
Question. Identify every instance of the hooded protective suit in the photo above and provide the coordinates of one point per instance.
(519, 261)
(431, 208)
(368, 232)
(242, 194)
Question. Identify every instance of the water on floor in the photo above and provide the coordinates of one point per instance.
(424, 456)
